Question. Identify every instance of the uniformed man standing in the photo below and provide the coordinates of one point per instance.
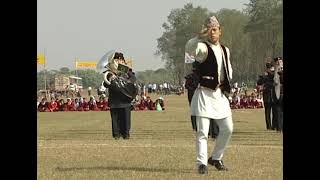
(122, 90)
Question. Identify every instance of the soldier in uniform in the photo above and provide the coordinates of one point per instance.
(122, 90)
(269, 97)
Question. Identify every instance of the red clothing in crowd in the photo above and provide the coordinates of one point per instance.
(53, 106)
(150, 105)
(60, 105)
(143, 105)
(69, 107)
(84, 106)
(93, 106)
(244, 103)
(256, 104)
(103, 105)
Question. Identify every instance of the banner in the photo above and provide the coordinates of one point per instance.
(41, 59)
(86, 64)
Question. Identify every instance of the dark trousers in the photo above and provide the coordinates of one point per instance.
(280, 113)
(213, 129)
(276, 116)
(267, 114)
(121, 122)
(194, 123)
(275, 109)
(193, 118)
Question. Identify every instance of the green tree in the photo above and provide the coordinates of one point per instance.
(265, 28)
(90, 78)
(182, 25)
(64, 70)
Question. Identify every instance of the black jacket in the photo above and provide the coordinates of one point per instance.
(122, 91)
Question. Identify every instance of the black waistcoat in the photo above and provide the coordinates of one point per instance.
(209, 67)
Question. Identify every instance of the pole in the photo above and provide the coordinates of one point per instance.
(76, 66)
(45, 72)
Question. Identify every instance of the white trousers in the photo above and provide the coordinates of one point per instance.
(225, 131)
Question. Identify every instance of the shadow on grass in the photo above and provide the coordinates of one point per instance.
(116, 168)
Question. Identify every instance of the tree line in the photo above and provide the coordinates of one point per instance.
(252, 35)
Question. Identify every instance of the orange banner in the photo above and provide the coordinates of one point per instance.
(86, 64)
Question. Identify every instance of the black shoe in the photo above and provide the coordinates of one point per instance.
(116, 137)
(218, 164)
(126, 137)
(203, 169)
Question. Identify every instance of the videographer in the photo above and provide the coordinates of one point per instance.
(269, 100)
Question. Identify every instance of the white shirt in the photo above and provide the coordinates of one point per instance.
(154, 86)
(102, 88)
(205, 101)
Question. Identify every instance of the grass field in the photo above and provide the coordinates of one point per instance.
(79, 145)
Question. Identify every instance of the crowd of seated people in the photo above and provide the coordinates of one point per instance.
(76, 104)
(81, 104)
(244, 101)
(146, 103)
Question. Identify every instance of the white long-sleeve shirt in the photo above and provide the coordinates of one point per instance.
(205, 101)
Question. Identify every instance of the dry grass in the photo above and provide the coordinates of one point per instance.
(79, 145)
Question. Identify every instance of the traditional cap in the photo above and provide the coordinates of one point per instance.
(212, 22)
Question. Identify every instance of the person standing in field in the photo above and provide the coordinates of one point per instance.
(210, 98)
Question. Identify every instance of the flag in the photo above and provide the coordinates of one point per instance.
(41, 59)
(129, 63)
(86, 64)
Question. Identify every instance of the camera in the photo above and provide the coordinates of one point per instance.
(268, 65)
(265, 80)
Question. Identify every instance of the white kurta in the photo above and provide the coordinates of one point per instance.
(205, 101)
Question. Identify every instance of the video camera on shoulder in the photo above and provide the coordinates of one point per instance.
(123, 68)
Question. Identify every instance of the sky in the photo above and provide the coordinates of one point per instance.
(87, 29)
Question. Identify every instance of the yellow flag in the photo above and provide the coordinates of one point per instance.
(86, 64)
(41, 59)
(129, 62)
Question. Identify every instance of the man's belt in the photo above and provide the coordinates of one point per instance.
(207, 77)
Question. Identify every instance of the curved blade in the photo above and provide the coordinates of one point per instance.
(101, 66)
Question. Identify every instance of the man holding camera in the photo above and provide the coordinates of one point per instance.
(270, 99)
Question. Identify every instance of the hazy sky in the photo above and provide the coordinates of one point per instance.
(86, 29)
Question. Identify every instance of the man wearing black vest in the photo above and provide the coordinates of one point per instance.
(209, 100)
